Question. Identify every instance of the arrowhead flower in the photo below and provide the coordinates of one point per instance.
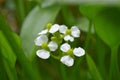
(70, 34)
(54, 28)
(42, 41)
(43, 32)
(67, 59)
(43, 54)
(54, 40)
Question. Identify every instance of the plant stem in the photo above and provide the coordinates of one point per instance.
(63, 72)
(114, 68)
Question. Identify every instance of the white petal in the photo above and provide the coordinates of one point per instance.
(63, 29)
(79, 52)
(54, 28)
(43, 32)
(65, 47)
(68, 37)
(40, 39)
(43, 54)
(67, 60)
(75, 32)
(52, 46)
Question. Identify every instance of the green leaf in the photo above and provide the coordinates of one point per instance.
(34, 23)
(47, 3)
(83, 24)
(93, 69)
(90, 11)
(107, 26)
(9, 58)
(7, 52)
(30, 71)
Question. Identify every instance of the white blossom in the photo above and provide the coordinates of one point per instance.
(43, 32)
(75, 32)
(40, 39)
(52, 46)
(79, 52)
(67, 60)
(43, 54)
(54, 28)
(68, 37)
(65, 47)
(62, 29)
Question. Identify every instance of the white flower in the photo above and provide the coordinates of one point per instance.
(68, 37)
(52, 46)
(65, 47)
(67, 60)
(63, 29)
(75, 32)
(54, 28)
(43, 32)
(43, 54)
(79, 52)
(40, 39)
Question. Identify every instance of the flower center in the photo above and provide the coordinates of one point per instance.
(44, 45)
(70, 52)
(68, 31)
(49, 26)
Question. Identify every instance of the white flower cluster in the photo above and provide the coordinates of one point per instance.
(58, 42)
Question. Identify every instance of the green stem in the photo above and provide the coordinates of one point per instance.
(63, 72)
(75, 71)
(114, 68)
(20, 10)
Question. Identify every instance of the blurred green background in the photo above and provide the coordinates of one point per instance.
(99, 22)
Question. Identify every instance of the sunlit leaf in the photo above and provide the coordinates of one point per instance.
(34, 23)
(83, 24)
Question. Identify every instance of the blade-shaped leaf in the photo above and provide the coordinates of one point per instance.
(16, 48)
(8, 57)
(7, 52)
(93, 69)
(34, 23)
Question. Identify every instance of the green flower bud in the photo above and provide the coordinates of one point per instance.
(54, 39)
(49, 26)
